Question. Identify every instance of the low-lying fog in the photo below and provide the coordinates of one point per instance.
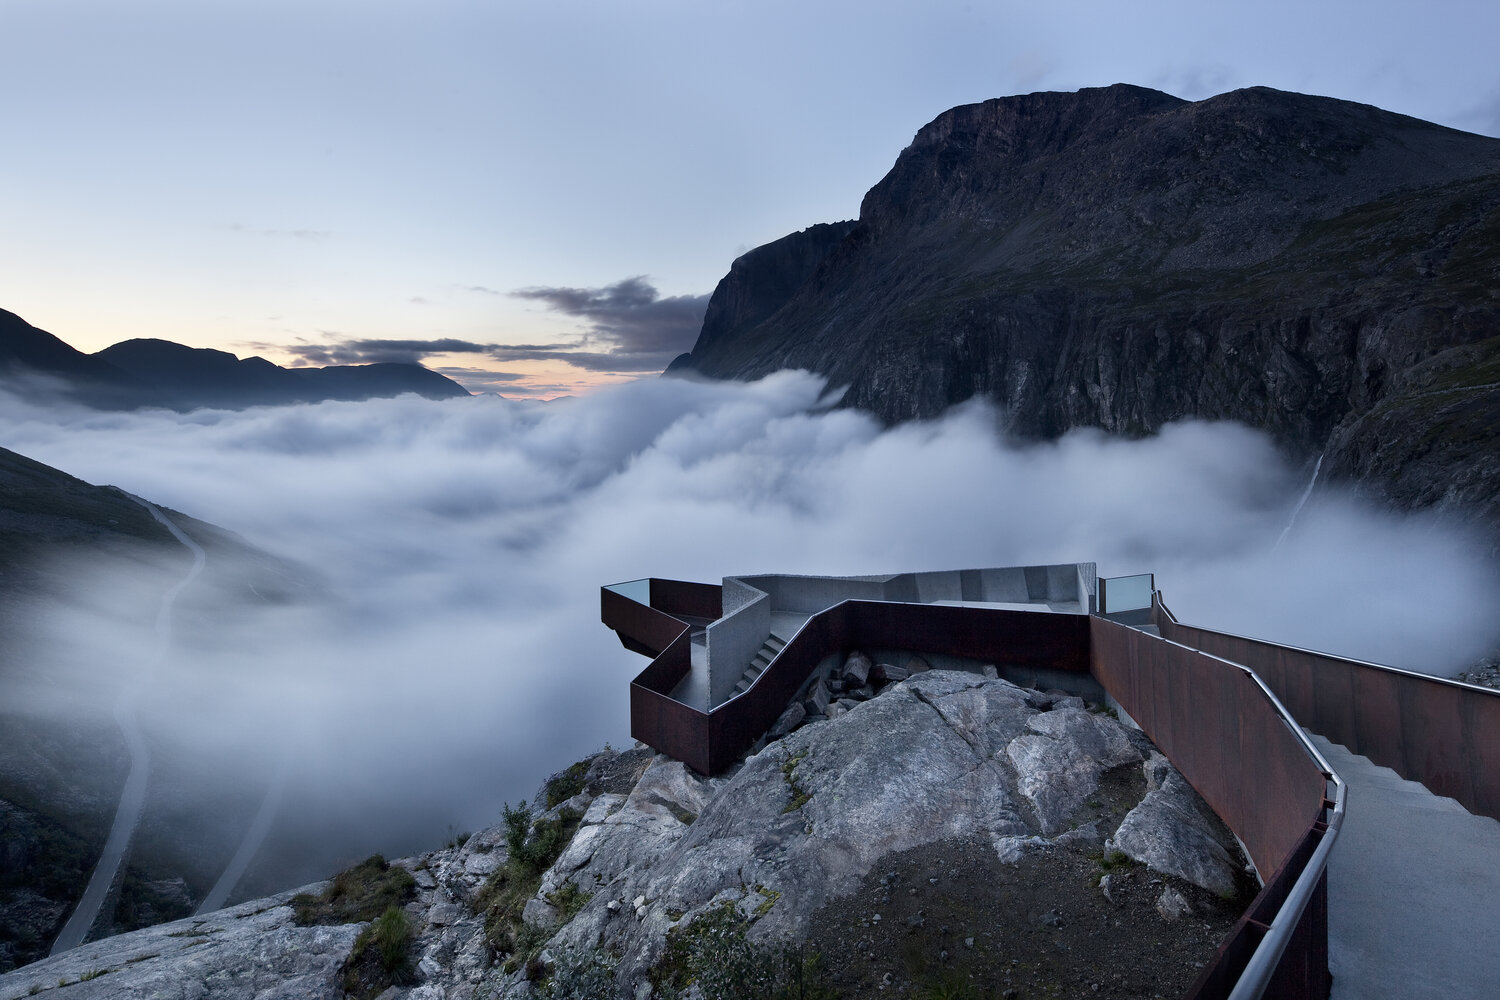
(459, 658)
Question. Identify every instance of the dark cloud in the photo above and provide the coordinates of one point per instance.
(366, 352)
(629, 328)
(629, 320)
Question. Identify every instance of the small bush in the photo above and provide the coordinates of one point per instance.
(381, 956)
(357, 894)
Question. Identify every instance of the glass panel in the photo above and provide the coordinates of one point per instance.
(1127, 593)
(638, 591)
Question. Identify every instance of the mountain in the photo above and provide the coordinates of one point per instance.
(150, 372)
(34, 361)
(1120, 258)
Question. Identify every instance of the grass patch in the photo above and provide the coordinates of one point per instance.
(355, 895)
(94, 974)
(381, 956)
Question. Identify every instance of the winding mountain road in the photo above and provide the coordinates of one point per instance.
(133, 795)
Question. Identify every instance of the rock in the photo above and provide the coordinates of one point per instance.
(443, 914)
(1173, 905)
(818, 699)
(250, 950)
(857, 669)
(889, 674)
(789, 720)
(989, 670)
(540, 914)
(1012, 849)
(1105, 885)
(1172, 831)
(917, 665)
(1052, 919)
(1060, 760)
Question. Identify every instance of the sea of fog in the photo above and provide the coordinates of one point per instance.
(457, 657)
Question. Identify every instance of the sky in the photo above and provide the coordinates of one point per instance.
(537, 198)
(452, 656)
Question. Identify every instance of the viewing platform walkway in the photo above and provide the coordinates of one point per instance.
(1413, 891)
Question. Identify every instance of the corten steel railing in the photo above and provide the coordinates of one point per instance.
(1215, 720)
(1440, 732)
(711, 741)
(1235, 743)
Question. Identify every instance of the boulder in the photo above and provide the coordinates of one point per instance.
(1060, 759)
(789, 720)
(857, 669)
(1172, 831)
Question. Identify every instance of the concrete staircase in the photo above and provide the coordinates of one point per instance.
(758, 664)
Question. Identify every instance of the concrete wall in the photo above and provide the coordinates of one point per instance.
(811, 594)
(734, 638)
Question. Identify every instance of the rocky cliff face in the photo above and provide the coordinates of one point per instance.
(931, 823)
(1118, 258)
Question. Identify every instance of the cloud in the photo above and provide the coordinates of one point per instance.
(629, 328)
(307, 235)
(457, 658)
(633, 324)
(365, 352)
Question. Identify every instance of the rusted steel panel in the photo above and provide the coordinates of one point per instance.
(697, 600)
(1303, 972)
(1427, 729)
(1220, 731)
(1481, 746)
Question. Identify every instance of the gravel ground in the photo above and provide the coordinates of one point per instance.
(957, 922)
(951, 921)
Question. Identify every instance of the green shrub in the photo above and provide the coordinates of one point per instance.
(381, 956)
(357, 894)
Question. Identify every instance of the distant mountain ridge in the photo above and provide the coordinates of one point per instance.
(1120, 258)
(149, 372)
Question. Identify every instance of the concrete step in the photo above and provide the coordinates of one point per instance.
(758, 664)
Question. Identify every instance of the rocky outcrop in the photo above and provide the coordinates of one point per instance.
(1118, 258)
(939, 759)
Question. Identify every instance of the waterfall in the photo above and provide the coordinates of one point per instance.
(1300, 504)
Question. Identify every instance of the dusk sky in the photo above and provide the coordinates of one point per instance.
(536, 198)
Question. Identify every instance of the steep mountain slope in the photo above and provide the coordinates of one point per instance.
(61, 765)
(150, 372)
(1120, 258)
